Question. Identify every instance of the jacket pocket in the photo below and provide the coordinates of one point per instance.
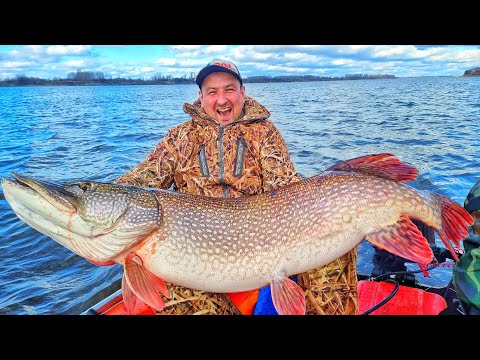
(202, 159)
(240, 157)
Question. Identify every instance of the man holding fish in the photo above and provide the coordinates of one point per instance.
(230, 148)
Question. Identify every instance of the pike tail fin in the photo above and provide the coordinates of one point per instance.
(381, 165)
(455, 222)
(403, 239)
(139, 282)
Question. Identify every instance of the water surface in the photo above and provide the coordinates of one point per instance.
(100, 132)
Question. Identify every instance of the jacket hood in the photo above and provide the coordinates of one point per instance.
(252, 111)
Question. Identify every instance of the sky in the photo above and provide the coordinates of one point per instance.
(146, 61)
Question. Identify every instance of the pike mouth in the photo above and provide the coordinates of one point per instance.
(50, 191)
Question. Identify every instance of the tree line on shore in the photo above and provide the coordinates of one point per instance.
(99, 78)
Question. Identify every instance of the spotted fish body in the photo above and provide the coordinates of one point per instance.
(230, 245)
(237, 244)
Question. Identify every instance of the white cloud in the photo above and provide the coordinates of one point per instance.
(340, 62)
(166, 62)
(74, 63)
(15, 64)
(215, 49)
(67, 50)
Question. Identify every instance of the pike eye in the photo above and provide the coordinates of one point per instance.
(85, 186)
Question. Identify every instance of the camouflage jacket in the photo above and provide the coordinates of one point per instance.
(246, 157)
(466, 275)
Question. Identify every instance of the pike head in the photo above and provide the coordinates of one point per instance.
(98, 221)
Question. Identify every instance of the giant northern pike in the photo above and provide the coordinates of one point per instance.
(237, 244)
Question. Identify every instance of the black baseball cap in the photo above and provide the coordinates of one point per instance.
(218, 65)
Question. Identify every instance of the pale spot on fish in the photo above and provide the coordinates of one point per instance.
(204, 256)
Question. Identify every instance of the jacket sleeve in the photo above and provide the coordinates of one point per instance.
(157, 170)
(277, 167)
(466, 274)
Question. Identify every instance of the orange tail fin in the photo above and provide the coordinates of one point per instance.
(380, 165)
(455, 222)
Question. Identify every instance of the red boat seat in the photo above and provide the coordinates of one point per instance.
(407, 300)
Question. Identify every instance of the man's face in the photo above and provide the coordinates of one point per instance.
(222, 97)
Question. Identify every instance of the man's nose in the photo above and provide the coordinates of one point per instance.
(222, 97)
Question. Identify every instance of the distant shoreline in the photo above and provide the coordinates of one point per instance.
(18, 82)
(97, 78)
(94, 78)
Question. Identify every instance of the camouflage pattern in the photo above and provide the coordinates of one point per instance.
(466, 273)
(246, 157)
(252, 144)
(332, 289)
(472, 201)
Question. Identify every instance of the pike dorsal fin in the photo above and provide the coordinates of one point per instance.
(140, 282)
(288, 298)
(403, 239)
(381, 165)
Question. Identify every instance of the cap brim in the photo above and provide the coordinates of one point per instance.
(212, 69)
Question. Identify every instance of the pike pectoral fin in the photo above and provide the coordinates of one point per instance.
(129, 298)
(133, 303)
(141, 283)
(403, 239)
(288, 298)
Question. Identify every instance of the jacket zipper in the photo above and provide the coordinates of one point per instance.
(202, 159)
(220, 161)
(239, 157)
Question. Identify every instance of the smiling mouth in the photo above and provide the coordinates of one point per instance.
(224, 111)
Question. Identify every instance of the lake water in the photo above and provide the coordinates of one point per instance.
(98, 133)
